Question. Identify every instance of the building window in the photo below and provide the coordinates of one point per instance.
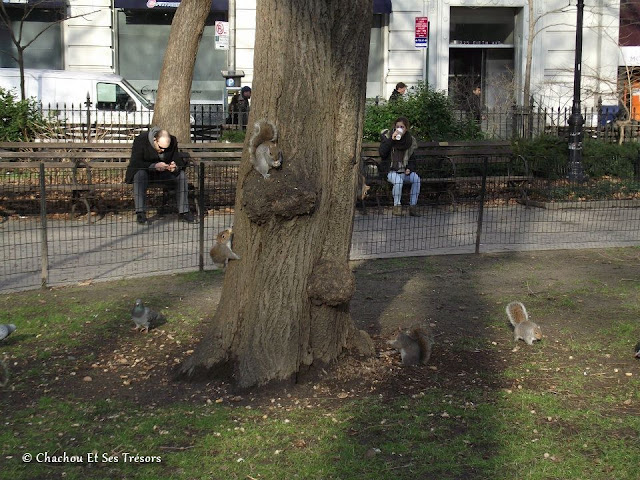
(142, 40)
(481, 53)
(46, 50)
(375, 74)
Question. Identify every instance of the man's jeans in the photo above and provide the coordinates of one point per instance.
(141, 182)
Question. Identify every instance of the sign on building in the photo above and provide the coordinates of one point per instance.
(422, 32)
(222, 36)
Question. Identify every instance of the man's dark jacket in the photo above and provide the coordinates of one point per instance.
(143, 155)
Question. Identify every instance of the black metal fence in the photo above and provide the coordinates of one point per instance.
(56, 233)
(79, 123)
(523, 122)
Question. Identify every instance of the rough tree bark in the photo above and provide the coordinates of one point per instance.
(171, 110)
(285, 304)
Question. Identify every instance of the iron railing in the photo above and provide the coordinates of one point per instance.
(81, 123)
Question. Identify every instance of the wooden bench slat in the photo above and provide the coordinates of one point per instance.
(61, 155)
(114, 146)
(35, 165)
(106, 155)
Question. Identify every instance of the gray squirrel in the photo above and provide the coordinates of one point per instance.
(264, 152)
(523, 328)
(414, 345)
(221, 252)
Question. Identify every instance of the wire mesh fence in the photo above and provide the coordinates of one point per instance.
(54, 232)
(491, 206)
(57, 230)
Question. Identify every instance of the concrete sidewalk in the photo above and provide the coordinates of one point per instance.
(445, 231)
(117, 247)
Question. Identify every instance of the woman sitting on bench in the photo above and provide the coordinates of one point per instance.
(397, 146)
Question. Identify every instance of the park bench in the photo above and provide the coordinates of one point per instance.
(87, 169)
(448, 169)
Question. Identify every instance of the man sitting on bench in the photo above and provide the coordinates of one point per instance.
(155, 159)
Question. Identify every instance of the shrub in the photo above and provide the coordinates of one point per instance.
(431, 113)
(20, 120)
(609, 159)
(548, 157)
(233, 136)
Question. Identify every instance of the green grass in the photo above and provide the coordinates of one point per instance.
(562, 412)
(511, 435)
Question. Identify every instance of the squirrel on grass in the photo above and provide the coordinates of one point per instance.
(523, 328)
(264, 152)
(414, 345)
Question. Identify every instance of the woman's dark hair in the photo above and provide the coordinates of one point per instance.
(404, 120)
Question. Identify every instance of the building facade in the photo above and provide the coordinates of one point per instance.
(471, 42)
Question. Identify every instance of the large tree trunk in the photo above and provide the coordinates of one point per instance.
(285, 304)
(171, 110)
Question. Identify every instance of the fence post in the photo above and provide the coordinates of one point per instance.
(88, 104)
(483, 190)
(201, 213)
(44, 251)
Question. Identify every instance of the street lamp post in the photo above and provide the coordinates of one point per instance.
(576, 120)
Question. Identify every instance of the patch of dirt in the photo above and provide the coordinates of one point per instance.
(462, 297)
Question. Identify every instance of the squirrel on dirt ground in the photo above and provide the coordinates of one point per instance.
(523, 328)
(264, 152)
(414, 345)
(221, 252)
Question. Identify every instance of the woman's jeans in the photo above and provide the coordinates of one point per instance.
(397, 180)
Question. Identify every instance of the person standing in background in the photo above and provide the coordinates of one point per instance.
(398, 92)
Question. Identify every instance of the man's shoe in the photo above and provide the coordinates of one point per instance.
(397, 211)
(187, 217)
(413, 211)
(141, 218)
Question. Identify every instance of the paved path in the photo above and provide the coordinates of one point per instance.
(514, 228)
(117, 247)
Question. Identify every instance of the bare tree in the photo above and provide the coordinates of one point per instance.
(171, 109)
(285, 304)
(599, 82)
(533, 31)
(16, 35)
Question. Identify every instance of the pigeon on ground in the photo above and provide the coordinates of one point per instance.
(637, 350)
(144, 317)
(6, 330)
